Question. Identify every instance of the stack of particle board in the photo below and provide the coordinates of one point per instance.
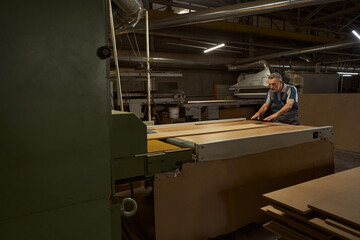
(324, 208)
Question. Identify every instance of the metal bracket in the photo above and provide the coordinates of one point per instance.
(327, 133)
(233, 148)
(167, 161)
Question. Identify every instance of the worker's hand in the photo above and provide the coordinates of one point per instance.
(271, 117)
(256, 116)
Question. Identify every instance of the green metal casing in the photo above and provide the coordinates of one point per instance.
(128, 145)
(54, 121)
(128, 135)
(129, 150)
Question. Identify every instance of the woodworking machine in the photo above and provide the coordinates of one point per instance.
(236, 162)
(140, 152)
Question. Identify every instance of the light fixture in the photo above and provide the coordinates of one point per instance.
(215, 47)
(184, 11)
(356, 34)
(347, 73)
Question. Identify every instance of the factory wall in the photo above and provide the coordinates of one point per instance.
(199, 84)
(339, 110)
(54, 118)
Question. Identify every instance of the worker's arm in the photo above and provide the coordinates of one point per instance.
(261, 111)
(287, 107)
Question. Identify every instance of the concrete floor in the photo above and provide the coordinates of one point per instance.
(343, 161)
(249, 232)
(346, 160)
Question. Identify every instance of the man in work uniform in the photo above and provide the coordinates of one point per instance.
(283, 100)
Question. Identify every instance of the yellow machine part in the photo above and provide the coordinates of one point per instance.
(157, 146)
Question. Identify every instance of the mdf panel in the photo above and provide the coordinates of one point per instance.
(211, 198)
(339, 110)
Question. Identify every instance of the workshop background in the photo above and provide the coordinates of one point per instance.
(59, 87)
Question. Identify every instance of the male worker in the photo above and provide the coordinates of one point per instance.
(283, 100)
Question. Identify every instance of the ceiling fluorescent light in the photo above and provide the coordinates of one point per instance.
(213, 48)
(184, 11)
(356, 34)
(347, 73)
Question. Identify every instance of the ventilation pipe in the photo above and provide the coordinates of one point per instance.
(195, 62)
(314, 68)
(325, 47)
(261, 63)
(229, 11)
(128, 12)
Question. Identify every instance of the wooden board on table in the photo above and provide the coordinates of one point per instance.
(200, 129)
(157, 146)
(272, 128)
(318, 222)
(333, 187)
(220, 121)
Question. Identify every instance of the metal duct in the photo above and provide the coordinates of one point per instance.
(196, 62)
(313, 68)
(172, 62)
(332, 46)
(129, 12)
(176, 60)
(229, 11)
(261, 63)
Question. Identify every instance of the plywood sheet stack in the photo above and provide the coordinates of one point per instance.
(324, 208)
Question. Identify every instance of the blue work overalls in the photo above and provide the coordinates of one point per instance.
(290, 117)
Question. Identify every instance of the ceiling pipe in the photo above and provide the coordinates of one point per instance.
(128, 12)
(313, 68)
(199, 38)
(229, 11)
(196, 62)
(261, 63)
(182, 36)
(332, 46)
(177, 60)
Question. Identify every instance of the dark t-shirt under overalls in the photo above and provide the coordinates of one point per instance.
(278, 100)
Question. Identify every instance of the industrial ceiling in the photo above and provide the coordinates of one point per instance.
(303, 34)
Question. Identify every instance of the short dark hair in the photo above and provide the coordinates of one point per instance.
(275, 75)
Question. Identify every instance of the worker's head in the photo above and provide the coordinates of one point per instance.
(275, 82)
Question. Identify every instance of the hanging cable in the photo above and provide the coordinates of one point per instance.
(137, 46)
(132, 47)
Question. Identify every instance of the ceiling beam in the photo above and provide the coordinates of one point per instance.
(179, 5)
(244, 28)
(334, 15)
(313, 13)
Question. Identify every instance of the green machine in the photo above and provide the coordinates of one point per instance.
(132, 162)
